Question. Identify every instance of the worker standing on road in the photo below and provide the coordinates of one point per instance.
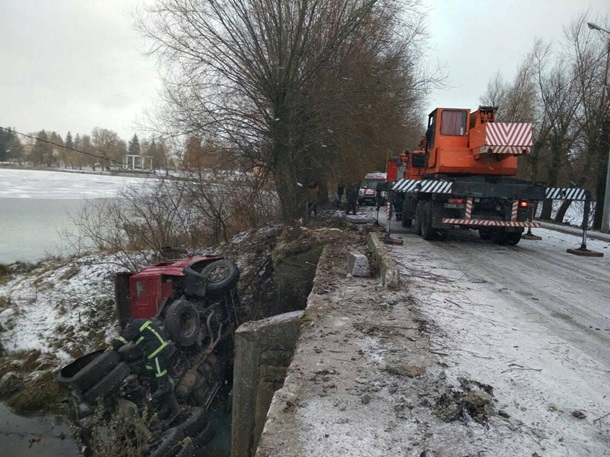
(340, 190)
(314, 195)
(351, 194)
(151, 338)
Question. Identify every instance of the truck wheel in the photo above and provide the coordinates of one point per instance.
(169, 443)
(130, 352)
(182, 323)
(485, 233)
(513, 238)
(221, 276)
(204, 436)
(193, 449)
(426, 224)
(88, 369)
(108, 383)
(500, 237)
(195, 422)
(406, 222)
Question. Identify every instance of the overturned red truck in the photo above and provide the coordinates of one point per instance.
(194, 300)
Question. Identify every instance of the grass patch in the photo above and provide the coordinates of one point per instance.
(10, 383)
(5, 270)
(40, 395)
(5, 302)
(70, 272)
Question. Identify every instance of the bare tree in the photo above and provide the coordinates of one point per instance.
(590, 54)
(270, 80)
(197, 210)
(569, 107)
(109, 145)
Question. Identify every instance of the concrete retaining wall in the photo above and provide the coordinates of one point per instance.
(263, 350)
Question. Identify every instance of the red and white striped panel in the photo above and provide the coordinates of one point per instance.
(513, 215)
(508, 137)
(468, 208)
(490, 223)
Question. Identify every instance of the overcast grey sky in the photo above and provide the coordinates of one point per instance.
(72, 65)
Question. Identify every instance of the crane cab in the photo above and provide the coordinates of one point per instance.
(459, 142)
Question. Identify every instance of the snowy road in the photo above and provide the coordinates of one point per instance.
(532, 321)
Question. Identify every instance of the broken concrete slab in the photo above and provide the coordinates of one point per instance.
(358, 264)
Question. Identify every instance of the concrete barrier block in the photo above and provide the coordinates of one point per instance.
(358, 264)
(388, 270)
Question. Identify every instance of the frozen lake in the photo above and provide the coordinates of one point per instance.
(35, 207)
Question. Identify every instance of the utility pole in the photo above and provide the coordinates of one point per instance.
(606, 209)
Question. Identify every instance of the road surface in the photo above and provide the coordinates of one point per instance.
(530, 320)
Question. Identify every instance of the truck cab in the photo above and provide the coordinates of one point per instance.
(461, 142)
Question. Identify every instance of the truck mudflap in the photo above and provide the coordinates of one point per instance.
(489, 223)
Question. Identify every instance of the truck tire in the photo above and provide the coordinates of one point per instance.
(85, 371)
(427, 232)
(221, 276)
(169, 443)
(485, 233)
(108, 383)
(182, 323)
(513, 238)
(204, 436)
(193, 449)
(418, 217)
(130, 352)
(197, 420)
(499, 237)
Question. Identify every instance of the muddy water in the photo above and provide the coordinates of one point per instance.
(34, 436)
(220, 446)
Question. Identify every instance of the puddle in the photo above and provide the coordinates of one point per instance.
(45, 436)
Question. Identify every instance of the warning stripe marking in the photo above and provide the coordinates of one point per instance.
(437, 186)
(468, 208)
(565, 193)
(490, 223)
(508, 134)
(513, 214)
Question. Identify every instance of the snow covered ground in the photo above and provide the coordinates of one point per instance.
(531, 321)
(486, 350)
(62, 309)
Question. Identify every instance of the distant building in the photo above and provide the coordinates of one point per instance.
(137, 162)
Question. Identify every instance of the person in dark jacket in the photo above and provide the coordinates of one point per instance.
(313, 198)
(340, 191)
(351, 194)
(148, 335)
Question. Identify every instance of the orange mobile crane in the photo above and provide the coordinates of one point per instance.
(464, 177)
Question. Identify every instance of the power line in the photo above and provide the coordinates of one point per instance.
(61, 145)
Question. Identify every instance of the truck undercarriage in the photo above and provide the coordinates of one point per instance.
(193, 301)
